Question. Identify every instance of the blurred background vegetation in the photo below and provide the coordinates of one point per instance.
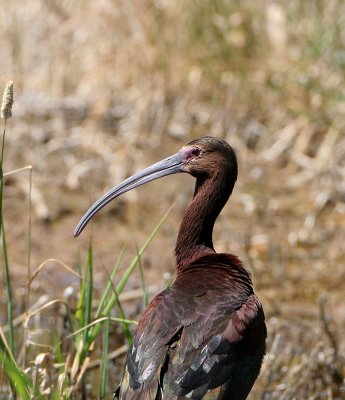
(104, 88)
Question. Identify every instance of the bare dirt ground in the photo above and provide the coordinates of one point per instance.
(103, 89)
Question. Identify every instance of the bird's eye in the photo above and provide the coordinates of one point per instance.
(190, 153)
(195, 151)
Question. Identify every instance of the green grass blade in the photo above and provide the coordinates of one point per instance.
(134, 263)
(105, 360)
(88, 297)
(16, 377)
(59, 357)
(101, 321)
(79, 314)
(125, 324)
(142, 280)
(22, 384)
(70, 325)
(128, 272)
(89, 285)
(109, 285)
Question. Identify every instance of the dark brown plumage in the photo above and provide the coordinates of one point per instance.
(204, 337)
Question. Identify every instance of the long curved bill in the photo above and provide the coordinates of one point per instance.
(168, 166)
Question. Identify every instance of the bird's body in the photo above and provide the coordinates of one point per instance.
(204, 337)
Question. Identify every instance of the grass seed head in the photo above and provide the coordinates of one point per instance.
(7, 101)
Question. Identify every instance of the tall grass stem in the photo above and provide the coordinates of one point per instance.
(105, 360)
(9, 290)
(142, 280)
(4, 249)
(28, 290)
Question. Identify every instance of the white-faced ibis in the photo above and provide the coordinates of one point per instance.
(203, 337)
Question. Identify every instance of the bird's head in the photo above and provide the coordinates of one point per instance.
(201, 158)
(204, 157)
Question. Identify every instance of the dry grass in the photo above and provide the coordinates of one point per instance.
(104, 88)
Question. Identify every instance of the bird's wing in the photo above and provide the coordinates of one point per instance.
(158, 327)
(190, 339)
(210, 351)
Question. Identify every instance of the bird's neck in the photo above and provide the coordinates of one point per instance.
(195, 235)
